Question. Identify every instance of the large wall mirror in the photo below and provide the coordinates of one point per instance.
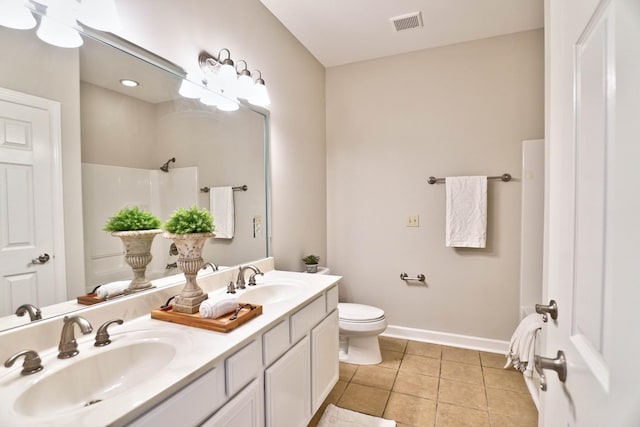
(114, 140)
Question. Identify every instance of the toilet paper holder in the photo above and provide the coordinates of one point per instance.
(419, 278)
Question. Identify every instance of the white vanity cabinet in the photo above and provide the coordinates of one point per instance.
(298, 382)
(244, 410)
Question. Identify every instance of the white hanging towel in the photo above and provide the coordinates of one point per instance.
(221, 207)
(522, 345)
(466, 225)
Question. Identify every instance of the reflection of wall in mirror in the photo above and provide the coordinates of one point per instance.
(226, 147)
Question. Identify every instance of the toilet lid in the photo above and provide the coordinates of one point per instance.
(359, 312)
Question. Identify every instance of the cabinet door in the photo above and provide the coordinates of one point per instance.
(288, 388)
(244, 410)
(324, 359)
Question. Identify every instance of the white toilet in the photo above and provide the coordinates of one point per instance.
(359, 327)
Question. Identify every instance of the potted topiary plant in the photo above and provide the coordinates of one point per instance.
(189, 229)
(311, 263)
(137, 229)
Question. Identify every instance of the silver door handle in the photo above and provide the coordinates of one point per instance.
(559, 364)
(42, 259)
(551, 310)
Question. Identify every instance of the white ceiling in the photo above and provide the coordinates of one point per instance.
(339, 32)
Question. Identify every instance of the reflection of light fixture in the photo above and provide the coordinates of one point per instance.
(14, 14)
(129, 83)
(189, 89)
(99, 14)
(56, 27)
(259, 95)
(229, 83)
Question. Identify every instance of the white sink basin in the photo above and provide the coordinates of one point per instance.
(94, 379)
(271, 293)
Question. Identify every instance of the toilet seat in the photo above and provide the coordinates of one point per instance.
(359, 313)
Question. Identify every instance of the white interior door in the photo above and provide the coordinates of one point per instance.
(31, 237)
(593, 212)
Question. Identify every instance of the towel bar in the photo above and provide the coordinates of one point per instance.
(420, 277)
(505, 177)
(240, 188)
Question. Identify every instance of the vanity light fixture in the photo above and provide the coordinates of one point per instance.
(129, 83)
(229, 83)
(59, 18)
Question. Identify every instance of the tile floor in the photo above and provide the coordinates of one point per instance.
(421, 384)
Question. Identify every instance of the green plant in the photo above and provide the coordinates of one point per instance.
(128, 219)
(311, 259)
(192, 220)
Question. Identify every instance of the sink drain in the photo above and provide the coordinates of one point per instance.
(92, 402)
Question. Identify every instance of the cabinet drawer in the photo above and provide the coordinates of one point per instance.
(332, 299)
(275, 342)
(242, 367)
(189, 406)
(307, 317)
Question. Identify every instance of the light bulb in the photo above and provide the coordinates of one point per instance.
(15, 15)
(245, 85)
(259, 95)
(99, 14)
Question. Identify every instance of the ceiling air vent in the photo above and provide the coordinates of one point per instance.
(407, 22)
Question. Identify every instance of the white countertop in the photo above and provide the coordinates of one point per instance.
(208, 348)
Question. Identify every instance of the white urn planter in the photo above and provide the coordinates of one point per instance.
(137, 253)
(189, 261)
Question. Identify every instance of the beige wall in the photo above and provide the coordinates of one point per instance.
(391, 123)
(180, 30)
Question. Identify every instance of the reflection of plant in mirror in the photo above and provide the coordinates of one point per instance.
(128, 219)
(311, 259)
(192, 220)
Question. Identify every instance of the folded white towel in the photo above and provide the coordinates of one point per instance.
(466, 222)
(522, 345)
(214, 308)
(112, 289)
(222, 210)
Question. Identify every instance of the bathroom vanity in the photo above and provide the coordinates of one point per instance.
(275, 370)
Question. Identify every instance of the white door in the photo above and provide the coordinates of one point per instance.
(31, 235)
(592, 255)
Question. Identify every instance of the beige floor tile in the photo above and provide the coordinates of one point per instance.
(336, 392)
(511, 403)
(461, 355)
(411, 410)
(365, 399)
(424, 349)
(505, 379)
(393, 344)
(499, 420)
(347, 370)
(420, 365)
(375, 376)
(424, 386)
(458, 416)
(464, 372)
(390, 359)
(463, 394)
(492, 360)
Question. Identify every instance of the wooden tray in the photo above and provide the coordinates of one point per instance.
(221, 324)
(90, 299)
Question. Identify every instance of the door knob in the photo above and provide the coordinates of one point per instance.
(551, 310)
(559, 364)
(42, 259)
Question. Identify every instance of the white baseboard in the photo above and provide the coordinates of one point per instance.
(445, 338)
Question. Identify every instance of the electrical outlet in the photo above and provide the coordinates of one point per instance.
(413, 220)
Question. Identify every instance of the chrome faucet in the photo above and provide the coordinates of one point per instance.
(171, 265)
(102, 336)
(34, 312)
(209, 264)
(68, 346)
(240, 283)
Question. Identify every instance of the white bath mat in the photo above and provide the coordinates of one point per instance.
(340, 417)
